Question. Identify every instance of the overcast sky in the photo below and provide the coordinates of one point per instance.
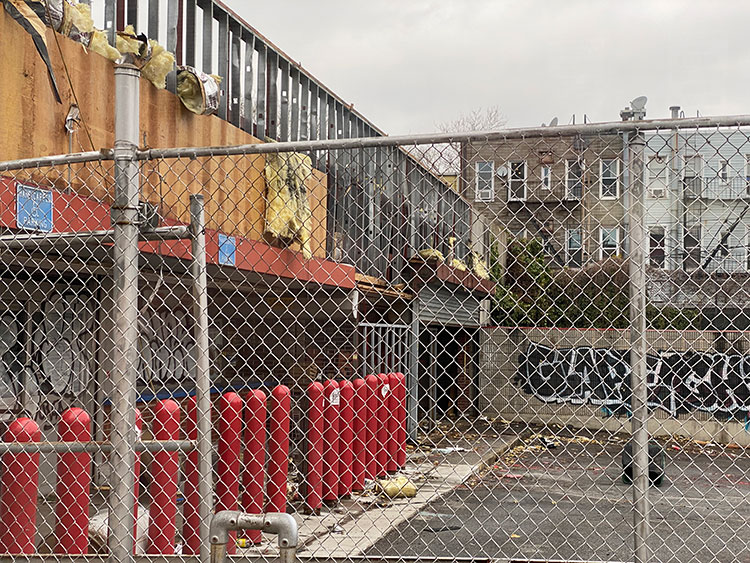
(408, 65)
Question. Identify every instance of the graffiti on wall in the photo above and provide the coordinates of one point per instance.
(61, 353)
(677, 381)
(165, 344)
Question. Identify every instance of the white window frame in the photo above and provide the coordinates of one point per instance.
(666, 242)
(747, 172)
(723, 171)
(617, 179)
(479, 195)
(568, 253)
(601, 241)
(567, 177)
(510, 180)
(546, 177)
(747, 250)
(649, 189)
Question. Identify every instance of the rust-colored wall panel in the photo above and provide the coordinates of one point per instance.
(32, 124)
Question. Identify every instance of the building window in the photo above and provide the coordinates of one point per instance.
(693, 176)
(573, 179)
(724, 170)
(517, 180)
(546, 175)
(485, 181)
(609, 242)
(657, 251)
(574, 248)
(657, 175)
(692, 246)
(609, 174)
(747, 173)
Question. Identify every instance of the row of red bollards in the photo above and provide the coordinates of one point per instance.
(356, 431)
(20, 475)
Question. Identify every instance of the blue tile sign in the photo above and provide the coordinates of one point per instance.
(227, 250)
(34, 208)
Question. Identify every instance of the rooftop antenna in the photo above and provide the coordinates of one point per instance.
(554, 122)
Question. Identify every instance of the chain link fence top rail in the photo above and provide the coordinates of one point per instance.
(523, 345)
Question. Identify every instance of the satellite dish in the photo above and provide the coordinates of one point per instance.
(502, 170)
(554, 122)
(639, 103)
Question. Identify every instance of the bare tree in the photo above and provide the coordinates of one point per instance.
(444, 159)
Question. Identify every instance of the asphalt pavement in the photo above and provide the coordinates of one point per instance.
(560, 496)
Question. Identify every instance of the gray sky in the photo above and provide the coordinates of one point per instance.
(410, 64)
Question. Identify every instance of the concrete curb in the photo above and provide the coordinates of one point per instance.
(490, 457)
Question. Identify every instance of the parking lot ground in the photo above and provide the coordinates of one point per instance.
(560, 496)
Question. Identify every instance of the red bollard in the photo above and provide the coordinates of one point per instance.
(332, 395)
(254, 456)
(18, 490)
(73, 485)
(314, 453)
(392, 406)
(162, 527)
(228, 467)
(382, 435)
(401, 417)
(137, 477)
(190, 515)
(371, 422)
(280, 405)
(360, 434)
(346, 438)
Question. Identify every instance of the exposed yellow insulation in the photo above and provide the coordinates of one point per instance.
(159, 65)
(99, 44)
(288, 215)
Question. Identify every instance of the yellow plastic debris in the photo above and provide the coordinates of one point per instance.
(288, 215)
(159, 65)
(477, 265)
(398, 487)
(515, 536)
(99, 44)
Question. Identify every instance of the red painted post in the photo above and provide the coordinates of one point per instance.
(190, 515)
(73, 485)
(162, 527)
(280, 405)
(254, 456)
(360, 434)
(331, 440)
(382, 436)
(371, 421)
(346, 438)
(314, 453)
(18, 490)
(401, 457)
(228, 467)
(392, 406)
(137, 476)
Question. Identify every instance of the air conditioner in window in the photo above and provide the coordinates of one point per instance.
(656, 193)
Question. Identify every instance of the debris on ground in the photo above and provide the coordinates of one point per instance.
(398, 487)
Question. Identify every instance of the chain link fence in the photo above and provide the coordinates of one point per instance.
(520, 345)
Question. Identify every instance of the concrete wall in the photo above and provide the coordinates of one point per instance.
(499, 396)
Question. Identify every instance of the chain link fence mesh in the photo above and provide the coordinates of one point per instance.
(419, 350)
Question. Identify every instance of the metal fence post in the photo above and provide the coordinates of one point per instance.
(202, 373)
(125, 312)
(637, 270)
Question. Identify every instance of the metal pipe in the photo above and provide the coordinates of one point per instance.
(125, 339)
(281, 524)
(609, 127)
(94, 447)
(33, 241)
(638, 346)
(202, 373)
(57, 160)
